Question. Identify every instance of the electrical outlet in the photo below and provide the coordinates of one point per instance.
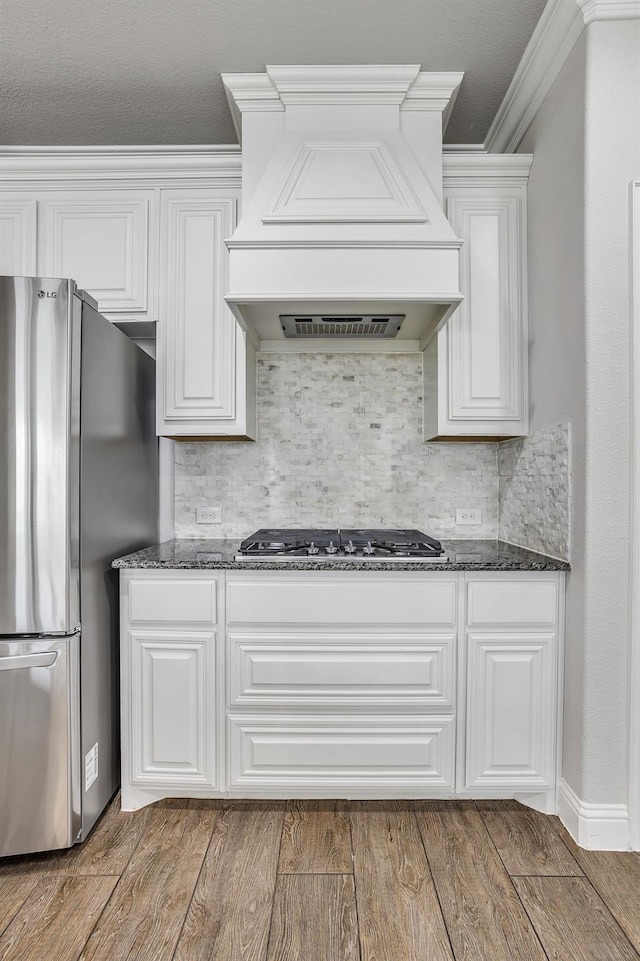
(91, 767)
(208, 515)
(469, 515)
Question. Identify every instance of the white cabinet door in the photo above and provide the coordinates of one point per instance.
(18, 251)
(106, 241)
(476, 367)
(510, 711)
(206, 368)
(172, 741)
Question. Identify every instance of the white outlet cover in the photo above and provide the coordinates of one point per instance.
(469, 516)
(208, 515)
(91, 767)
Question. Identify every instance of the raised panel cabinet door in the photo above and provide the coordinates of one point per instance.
(18, 250)
(103, 239)
(171, 708)
(479, 359)
(202, 353)
(511, 712)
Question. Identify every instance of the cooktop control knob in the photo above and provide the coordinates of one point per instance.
(350, 548)
(368, 549)
(312, 549)
(331, 549)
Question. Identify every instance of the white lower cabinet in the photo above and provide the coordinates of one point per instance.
(510, 711)
(170, 708)
(512, 643)
(172, 700)
(340, 684)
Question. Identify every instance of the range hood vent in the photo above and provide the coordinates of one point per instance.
(342, 228)
(350, 325)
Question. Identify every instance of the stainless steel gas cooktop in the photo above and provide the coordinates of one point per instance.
(341, 544)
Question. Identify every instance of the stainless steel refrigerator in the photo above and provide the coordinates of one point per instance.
(78, 486)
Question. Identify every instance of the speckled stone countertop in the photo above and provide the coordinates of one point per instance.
(210, 554)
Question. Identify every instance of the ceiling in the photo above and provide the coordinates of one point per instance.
(125, 72)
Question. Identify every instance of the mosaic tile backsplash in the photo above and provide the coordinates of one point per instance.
(535, 491)
(340, 445)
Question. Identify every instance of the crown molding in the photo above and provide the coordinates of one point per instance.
(147, 163)
(466, 167)
(402, 85)
(434, 91)
(343, 83)
(476, 148)
(551, 43)
(553, 39)
(593, 10)
(249, 91)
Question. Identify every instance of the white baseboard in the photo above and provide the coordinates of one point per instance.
(596, 827)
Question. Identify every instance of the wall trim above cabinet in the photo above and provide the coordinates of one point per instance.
(97, 165)
(477, 168)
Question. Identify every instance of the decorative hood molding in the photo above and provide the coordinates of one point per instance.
(341, 197)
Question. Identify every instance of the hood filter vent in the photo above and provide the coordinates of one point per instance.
(345, 325)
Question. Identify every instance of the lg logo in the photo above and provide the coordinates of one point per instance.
(47, 293)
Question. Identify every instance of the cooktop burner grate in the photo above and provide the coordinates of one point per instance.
(341, 544)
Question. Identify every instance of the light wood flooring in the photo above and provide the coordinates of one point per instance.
(322, 881)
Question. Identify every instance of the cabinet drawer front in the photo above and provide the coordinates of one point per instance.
(506, 601)
(350, 670)
(381, 753)
(319, 598)
(178, 600)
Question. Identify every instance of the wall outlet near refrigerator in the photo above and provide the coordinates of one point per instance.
(91, 767)
(208, 515)
(469, 515)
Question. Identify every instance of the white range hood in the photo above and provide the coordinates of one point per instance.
(342, 222)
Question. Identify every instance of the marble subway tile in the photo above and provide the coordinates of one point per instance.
(534, 491)
(318, 460)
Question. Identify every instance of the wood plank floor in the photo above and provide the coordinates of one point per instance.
(322, 881)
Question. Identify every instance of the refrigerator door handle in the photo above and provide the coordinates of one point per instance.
(14, 663)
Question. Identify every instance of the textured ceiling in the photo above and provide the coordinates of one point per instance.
(132, 72)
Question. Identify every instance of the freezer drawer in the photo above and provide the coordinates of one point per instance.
(38, 739)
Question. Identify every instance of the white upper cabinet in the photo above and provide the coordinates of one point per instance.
(105, 240)
(143, 230)
(204, 360)
(18, 232)
(475, 369)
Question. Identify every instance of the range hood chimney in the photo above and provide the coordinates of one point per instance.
(342, 225)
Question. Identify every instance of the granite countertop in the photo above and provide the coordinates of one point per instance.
(213, 554)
